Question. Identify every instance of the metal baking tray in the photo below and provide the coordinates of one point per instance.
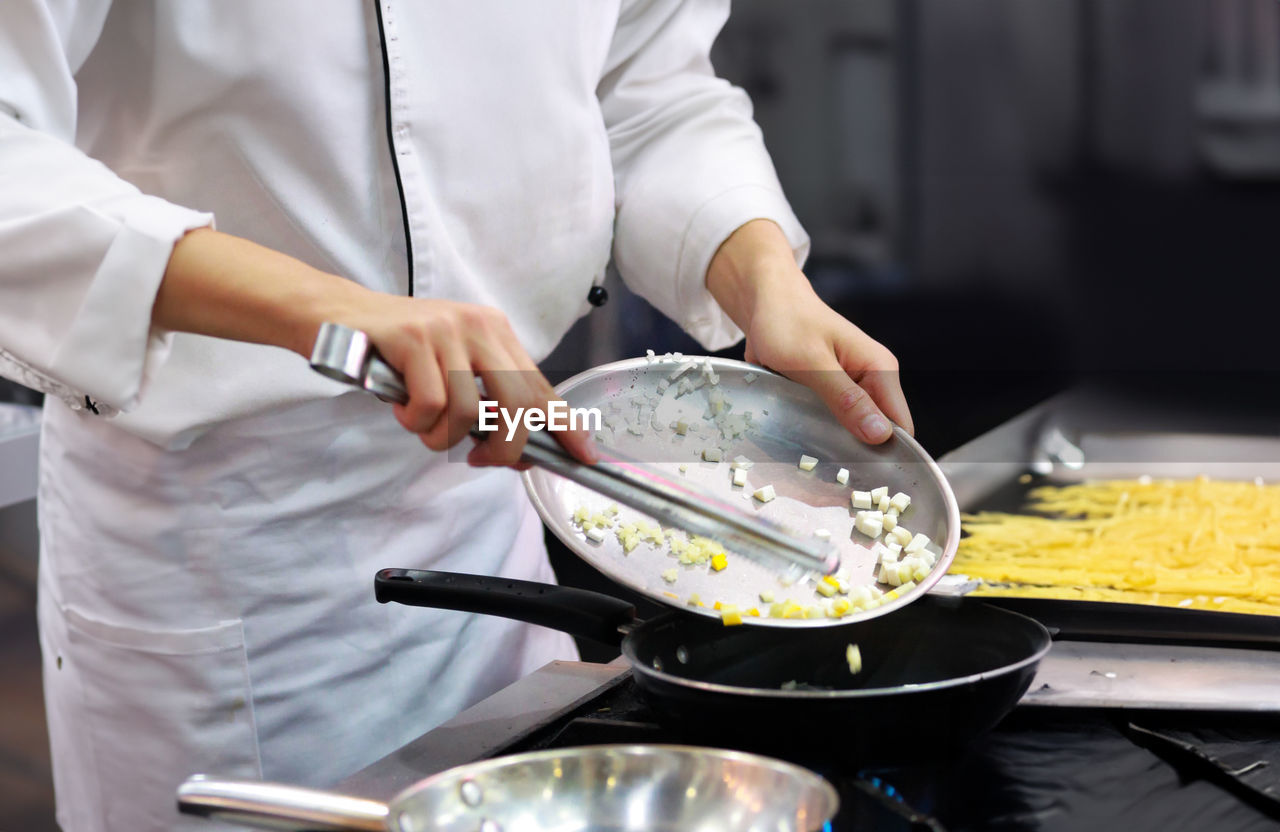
(1124, 655)
(1086, 434)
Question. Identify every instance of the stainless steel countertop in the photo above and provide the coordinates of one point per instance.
(490, 725)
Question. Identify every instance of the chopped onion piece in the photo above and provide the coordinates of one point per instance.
(679, 371)
(868, 526)
(916, 543)
(853, 656)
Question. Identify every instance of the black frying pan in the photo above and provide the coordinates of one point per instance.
(935, 674)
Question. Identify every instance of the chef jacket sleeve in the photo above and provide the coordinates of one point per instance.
(690, 165)
(83, 251)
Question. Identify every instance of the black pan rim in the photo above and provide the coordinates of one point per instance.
(856, 693)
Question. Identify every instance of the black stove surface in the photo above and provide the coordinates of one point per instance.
(1041, 769)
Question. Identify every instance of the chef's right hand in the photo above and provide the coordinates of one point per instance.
(440, 347)
(224, 286)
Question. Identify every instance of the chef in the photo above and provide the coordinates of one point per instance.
(453, 179)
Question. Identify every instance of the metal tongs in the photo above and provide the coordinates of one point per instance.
(346, 355)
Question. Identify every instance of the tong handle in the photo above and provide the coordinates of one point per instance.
(346, 355)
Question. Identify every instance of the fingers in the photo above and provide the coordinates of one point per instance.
(515, 382)
(429, 398)
(875, 370)
(580, 444)
(463, 408)
(515, 395)
(441, 347)
(521, 393)
(497, 450)
(886, 389)
(852, 405)
(577, 441)
(856, 376)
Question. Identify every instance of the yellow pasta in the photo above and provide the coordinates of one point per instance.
(1197, 543)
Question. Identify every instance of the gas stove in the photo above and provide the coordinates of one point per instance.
(1040, 769)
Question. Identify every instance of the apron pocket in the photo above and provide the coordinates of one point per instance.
(160, 705)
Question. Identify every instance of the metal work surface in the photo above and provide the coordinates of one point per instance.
(1163, 676)
(487, 727)
(1082, 435)
(786, 421)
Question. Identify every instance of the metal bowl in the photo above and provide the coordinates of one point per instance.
(621, 787)
(603, 787)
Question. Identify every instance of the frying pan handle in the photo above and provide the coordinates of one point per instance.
(275, 806)
(578, 612)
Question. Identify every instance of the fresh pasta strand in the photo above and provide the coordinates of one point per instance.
(1199, 543)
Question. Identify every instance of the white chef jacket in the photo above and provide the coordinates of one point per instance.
(531, 143)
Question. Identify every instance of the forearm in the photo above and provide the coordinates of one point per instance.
(754, 264)
(228, 287)
(754, 271)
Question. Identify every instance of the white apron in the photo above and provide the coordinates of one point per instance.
(211, 610)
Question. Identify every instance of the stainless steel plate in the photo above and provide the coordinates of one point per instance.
(786, 420)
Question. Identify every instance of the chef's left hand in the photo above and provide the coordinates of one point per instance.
(754, 278)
